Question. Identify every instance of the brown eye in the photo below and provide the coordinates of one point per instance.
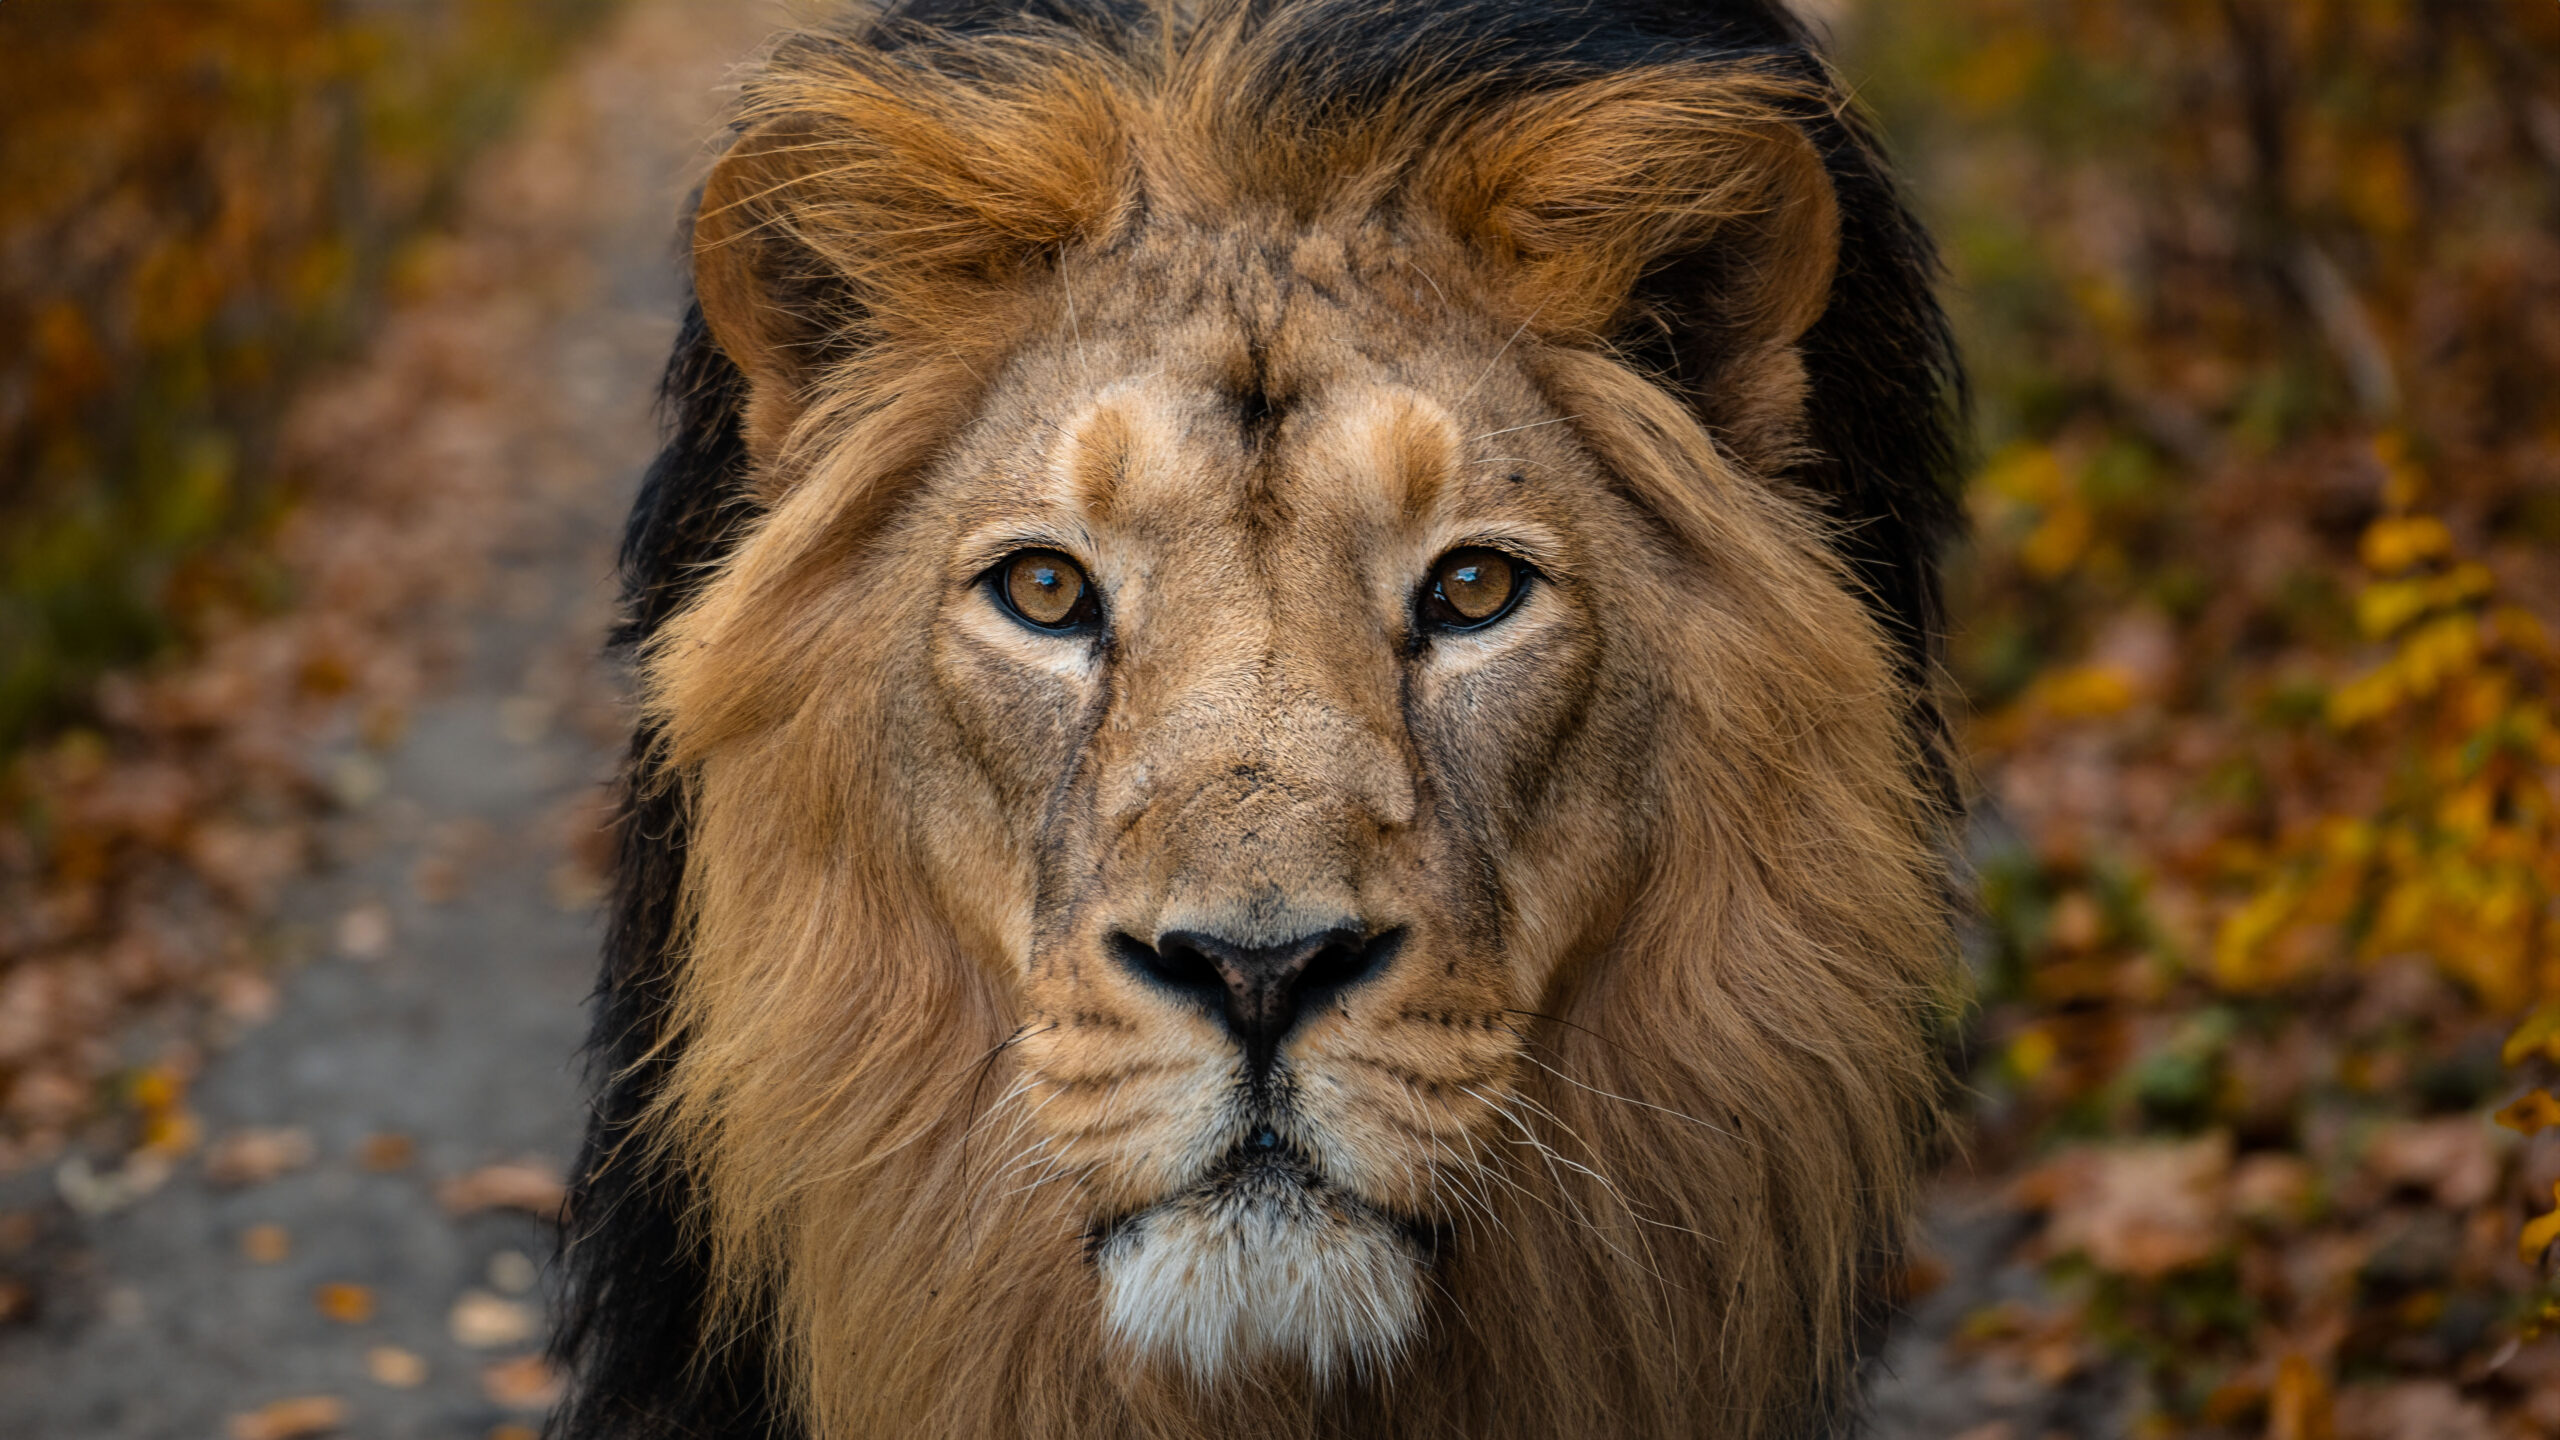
(1473, 587)
(1045, 589)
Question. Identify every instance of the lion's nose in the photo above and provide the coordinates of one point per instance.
(1260, 989)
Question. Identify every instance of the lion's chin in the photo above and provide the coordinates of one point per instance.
(1262, 1262)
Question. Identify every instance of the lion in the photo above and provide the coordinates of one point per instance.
(1286, 780)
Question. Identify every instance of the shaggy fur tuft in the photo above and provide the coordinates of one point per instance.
(1609, 1117)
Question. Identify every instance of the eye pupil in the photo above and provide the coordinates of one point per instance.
(1045, 589)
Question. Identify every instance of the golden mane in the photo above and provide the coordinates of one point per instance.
(1713, 1146)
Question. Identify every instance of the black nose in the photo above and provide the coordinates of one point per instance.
(1260, 989)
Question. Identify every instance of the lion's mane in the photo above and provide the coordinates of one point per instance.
(1738, 1140)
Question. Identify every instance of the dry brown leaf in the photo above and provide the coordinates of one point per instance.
(437, 880)
(254, 1157)
(290, 1419)
(482, 1321)
(512, 1272)
(2270, 1188)
(265, 1244)
(2139, 1210)
(397, 1368)
(2452, 1159)
(2417, 1410)
(345, 1303)
(535, 1189)
(527, 1382)
(387, 1151)
(364, 932)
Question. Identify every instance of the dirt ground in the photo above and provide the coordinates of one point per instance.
(341, 1254)
(433, 1031)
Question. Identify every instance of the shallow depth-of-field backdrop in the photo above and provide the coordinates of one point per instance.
(2254, 641)
(2262, 301)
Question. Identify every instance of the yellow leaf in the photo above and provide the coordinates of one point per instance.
(2087, 692)
(2402, 481)
(2300, 1406)
(2237, 946)
(2395, 543)
(2540, 1231)
(2382, 608)
(2059, 540)
(2032, 1053)
(2535, 1033)
(2366, 698)
(2024, 474)
(2531, 1114)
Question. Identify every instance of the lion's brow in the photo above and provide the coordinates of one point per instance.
(1097, 459)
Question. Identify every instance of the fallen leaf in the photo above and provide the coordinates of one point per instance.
(2540, 1031)
(400, 1369)
(90, 1192)
(2270, 1188)
(2531, 1113)
(265, 1244)
(17, 1301)
(526, 1382)
(512, 1272)
(532, 1188)
(2450, 1159)
(347, 1304)
(2540, 1231)
(2139, 1210)
(364, 932)
(2300, 1406)
(244, 995)
(482, 1321)
(2414, 1410)
(290, 1419)
(387, 1151)
(254, 1157)
(437, 880)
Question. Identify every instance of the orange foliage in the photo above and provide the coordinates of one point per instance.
(2263, 301)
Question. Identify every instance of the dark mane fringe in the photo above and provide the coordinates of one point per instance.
(1880, 421)
(632, 1322)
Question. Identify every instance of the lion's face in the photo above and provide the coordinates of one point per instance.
(1280, 767)
(1262, 794)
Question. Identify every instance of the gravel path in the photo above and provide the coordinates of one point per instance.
(452, 938)
(452, 933)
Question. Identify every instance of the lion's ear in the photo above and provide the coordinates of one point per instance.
(1676, 212)
(860, 205)
(772, 299)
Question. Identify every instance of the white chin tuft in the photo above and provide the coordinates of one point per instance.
(1261, 1267)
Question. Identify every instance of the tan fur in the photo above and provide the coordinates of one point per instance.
(1654, 1057)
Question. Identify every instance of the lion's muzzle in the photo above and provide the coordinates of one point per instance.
(1259, 990)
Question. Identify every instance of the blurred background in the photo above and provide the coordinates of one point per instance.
(327, 329)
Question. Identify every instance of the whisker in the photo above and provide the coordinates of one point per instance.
(1532, 425)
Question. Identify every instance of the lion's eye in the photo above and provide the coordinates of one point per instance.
(1472, 587)
(1045, 589)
